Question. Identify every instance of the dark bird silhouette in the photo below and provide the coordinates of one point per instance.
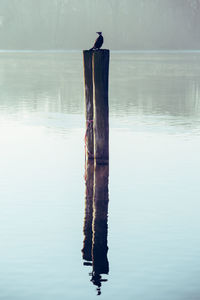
(98, 43)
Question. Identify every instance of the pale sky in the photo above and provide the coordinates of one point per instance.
(126, 25)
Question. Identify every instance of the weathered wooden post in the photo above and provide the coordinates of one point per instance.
(96, 70)
(88, 81)
(100, 68)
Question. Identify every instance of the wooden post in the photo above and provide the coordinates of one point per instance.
(88, 81)
(96, 69)
(100, 69)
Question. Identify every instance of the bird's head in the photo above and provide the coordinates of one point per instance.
(99, 32)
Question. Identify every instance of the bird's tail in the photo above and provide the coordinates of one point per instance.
(91, 49)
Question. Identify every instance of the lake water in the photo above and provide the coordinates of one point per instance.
(153, 213)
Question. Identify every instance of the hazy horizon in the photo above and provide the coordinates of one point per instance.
(126, 25)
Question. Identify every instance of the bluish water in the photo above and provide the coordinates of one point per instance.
(154, 170)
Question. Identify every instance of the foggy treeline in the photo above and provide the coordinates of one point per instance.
(126, 24)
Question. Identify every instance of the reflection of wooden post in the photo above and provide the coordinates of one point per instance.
(89, 139)
(95, 228)
(100, 68)
(100, 225)
(87, 228)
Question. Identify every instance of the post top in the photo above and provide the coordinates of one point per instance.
(96, 51)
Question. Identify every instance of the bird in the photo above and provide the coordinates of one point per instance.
(99, 42)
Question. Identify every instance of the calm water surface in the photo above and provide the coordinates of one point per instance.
(153, 213)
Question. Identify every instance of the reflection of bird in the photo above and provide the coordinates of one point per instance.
(97, 280)
(99, 42)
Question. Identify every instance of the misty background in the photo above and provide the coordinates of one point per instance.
(126, 24)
